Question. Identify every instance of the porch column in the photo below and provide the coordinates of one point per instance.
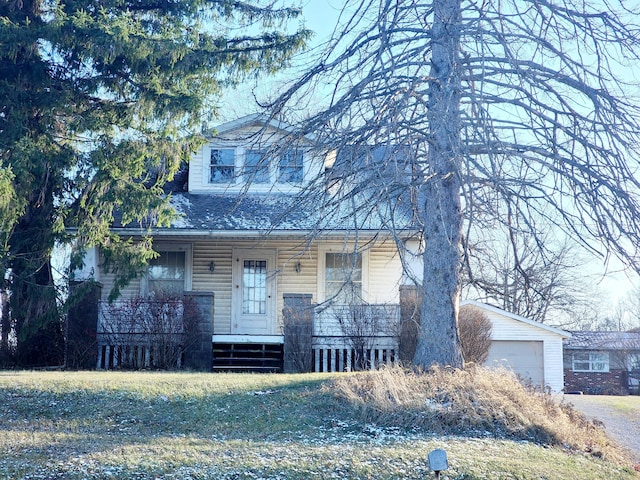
(298, 332)
(198, 353)
(409, 319)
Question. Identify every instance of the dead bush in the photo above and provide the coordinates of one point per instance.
(475, 334)
(478, 402)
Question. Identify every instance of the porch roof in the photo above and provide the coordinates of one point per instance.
(273, 212)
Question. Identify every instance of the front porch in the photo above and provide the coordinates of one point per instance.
(314, 339)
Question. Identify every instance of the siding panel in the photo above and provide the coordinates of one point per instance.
(385, 273)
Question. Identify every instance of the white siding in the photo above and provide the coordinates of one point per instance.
(108, 281)
(247, 137)
(507, 328)
(385, 274)
(196, 174)
(220, 281)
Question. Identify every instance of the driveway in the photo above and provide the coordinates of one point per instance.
(620, 416)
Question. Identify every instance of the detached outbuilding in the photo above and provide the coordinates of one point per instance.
(532, 350)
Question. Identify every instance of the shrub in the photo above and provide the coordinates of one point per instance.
(475, 334)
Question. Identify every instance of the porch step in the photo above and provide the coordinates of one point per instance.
(248, 357)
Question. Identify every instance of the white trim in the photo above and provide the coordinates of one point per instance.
(606, 362)
(270, 255)
(256, 119)
(518, 318)
(206, 166)
(265, 339)
(240, 182)
(186, 232)
(323, 249)
(187, 248)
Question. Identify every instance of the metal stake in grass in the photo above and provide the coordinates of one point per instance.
(438, 461)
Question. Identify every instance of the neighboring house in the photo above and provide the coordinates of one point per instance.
(532, 350)
(264, 256)
(606, 363)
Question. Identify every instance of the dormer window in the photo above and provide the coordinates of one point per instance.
(256, 166)
(222, 165)
(290, 167)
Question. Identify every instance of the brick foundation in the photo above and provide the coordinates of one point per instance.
(614, 382)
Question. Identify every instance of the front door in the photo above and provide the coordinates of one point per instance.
(254, 292)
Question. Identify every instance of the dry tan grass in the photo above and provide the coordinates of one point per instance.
(471, 402)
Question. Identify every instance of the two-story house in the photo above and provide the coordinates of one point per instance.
(281, 264)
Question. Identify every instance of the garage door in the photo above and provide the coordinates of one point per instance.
(523, 358)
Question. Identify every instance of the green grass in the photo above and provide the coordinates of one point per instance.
(627, 405)
(96, 425)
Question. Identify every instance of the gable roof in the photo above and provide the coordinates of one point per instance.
(596, 340)
(256, 119)
(517, 318)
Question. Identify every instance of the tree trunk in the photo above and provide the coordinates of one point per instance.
(36, 319)
(438, 340)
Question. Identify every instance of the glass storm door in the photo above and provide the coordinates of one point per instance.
(253, 310)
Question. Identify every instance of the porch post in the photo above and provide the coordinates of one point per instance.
(409, 319)
(297, 317)
(198, 348)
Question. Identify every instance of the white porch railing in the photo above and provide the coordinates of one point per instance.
(347, 338)
(338, 355)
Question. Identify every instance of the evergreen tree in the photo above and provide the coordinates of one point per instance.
(99, 104)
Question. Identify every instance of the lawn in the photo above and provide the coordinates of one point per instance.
(626, 405)
(97, 425)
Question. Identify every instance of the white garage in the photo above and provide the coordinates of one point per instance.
(530, 349)
(525, 358)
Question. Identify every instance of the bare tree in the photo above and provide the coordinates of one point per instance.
(475, 334)
(494, 111)
(542, 282)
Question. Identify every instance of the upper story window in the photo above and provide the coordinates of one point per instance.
(590, 362)
(290, 167)
(222, 165)
(256, 166)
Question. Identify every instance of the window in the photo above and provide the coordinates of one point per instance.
(633, 359)
(222, 165)
(256, 166)
(254, 287)
(167, 272)
(290, 167)
(590, 362)
(343, 277)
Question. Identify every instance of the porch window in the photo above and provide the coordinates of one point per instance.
(222, 165)
(167, 272)
(591, 362)
(254, 287)
(343, 277)
(256, 166)
(290, 167)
